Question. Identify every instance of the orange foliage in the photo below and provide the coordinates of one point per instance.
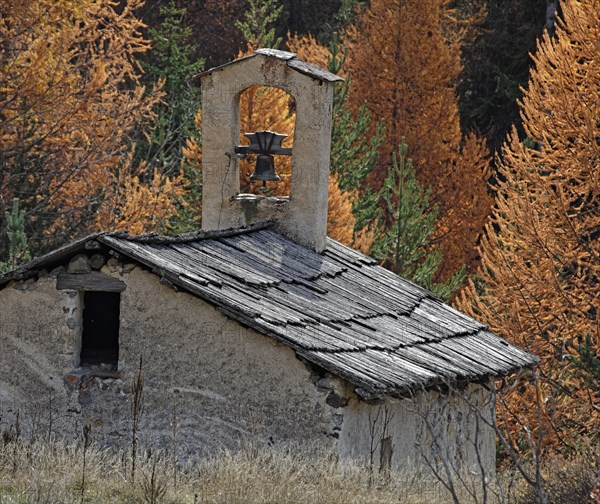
(137, 207)
(273, 109)
(192, 152)
(541, 256)
(69, 98)
(404, 60)
(340, 219)
(308, 49)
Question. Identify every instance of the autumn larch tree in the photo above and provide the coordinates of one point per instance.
(69, 99)
(404, 60)
(538, 281)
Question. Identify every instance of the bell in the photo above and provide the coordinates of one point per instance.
(265, 170)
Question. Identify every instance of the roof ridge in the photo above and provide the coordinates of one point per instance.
(191, 236)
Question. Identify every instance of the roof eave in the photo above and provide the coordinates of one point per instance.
(96, 240)
(26, 270)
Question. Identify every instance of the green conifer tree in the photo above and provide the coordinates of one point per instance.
(258, 23)
(18, 250)
(344, 16)
(170, 61)
(161, 147)
(354, 143)
(354, 146)
(403, 223)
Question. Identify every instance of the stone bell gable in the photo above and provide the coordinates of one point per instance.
(302, 216)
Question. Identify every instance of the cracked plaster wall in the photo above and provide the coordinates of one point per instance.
(425, 430)
(209, 382)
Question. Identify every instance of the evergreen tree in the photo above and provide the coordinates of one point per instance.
(354, 144)
(497, 63)
(258, 24)
(404, 224)
(18, 251)
(340, 20)
(171, 63)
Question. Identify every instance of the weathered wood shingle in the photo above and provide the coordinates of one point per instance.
(338, 309)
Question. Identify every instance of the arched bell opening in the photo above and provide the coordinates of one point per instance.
(265, 109)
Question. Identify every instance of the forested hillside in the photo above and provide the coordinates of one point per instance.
(465, 152)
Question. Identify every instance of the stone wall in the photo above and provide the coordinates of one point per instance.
(209, 383)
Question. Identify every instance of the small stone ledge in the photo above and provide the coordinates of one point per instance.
(89, 282)
(257, 199)
(257, 208)
(81, 374)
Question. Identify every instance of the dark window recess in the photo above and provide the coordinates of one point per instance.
(100, 338)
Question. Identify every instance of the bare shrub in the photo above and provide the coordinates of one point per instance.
(154, 483)
(566, 481)
(137, 408)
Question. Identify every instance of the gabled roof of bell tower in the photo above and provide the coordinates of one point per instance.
(284, 57)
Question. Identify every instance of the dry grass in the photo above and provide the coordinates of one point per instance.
(565, 481)
(51, 472)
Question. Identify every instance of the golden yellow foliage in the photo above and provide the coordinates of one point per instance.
(192, 152)
(70, 97)
(308, 49)
(264, 108)
(340, 219)
(540, 267)
(139, 207)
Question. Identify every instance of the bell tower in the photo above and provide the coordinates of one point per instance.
(303, 215)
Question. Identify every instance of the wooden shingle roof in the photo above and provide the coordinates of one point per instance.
(338, 309)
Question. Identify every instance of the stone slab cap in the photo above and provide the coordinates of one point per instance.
(289, 57)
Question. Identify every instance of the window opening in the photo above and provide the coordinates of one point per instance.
(100, 336)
